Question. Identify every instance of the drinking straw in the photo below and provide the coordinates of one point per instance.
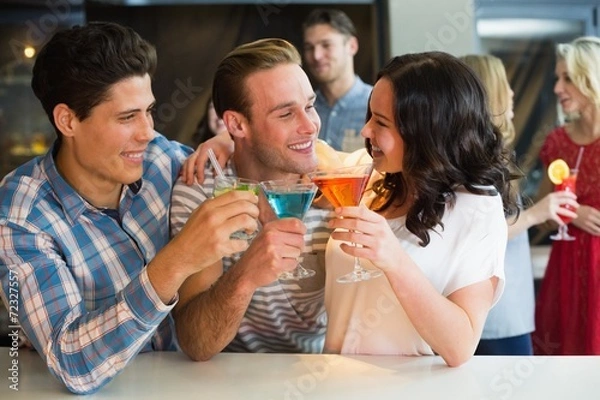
(215, 163)
(579, 155)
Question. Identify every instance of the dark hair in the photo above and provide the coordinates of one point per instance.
(450, 140)
(229, 89)
(337, 19)
(79, 65)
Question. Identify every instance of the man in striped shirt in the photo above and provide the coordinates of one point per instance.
(86, 265)
(239, 304)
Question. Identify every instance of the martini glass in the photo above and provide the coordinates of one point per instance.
(344, 187)
(290, 198)
(568, 184)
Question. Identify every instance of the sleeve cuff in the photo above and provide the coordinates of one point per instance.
(143, 301)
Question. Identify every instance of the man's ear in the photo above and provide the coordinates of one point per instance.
(236, 123)
(65, 119)
(353, 45)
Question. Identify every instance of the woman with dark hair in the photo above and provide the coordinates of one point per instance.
(433, 221)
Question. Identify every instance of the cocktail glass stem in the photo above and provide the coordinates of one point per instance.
(298, 273)
(359, 274)
(344, 187)
(562, 234)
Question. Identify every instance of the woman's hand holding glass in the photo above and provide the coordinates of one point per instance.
(552, 207)
(193, 167)
(372, 235)
(345, 187)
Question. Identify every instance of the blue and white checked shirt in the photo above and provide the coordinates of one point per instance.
(348, 112)
(84, 298)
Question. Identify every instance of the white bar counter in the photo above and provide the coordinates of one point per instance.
(170, 375)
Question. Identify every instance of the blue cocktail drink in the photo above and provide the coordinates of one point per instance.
(290, 199)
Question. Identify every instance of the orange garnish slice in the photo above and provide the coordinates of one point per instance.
(558, 170)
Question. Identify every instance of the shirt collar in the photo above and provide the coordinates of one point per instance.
(355, 91)
(71, 202)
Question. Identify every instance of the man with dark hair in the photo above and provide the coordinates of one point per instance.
(241, 303)
(85, 230)
(330, 44)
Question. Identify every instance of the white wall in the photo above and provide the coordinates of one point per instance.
(425, 25)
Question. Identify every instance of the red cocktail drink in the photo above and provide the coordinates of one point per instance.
(568, 184)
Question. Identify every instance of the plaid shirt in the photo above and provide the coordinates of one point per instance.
(82, 289)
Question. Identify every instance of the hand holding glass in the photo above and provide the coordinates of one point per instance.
(343, 187)
(224, 184)
(290, 198)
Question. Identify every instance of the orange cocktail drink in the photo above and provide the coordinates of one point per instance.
(342, 190)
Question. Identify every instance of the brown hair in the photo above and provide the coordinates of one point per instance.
(442, 116)
(337, 19)
(229, 89)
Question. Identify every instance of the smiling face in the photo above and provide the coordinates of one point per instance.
(570, 97)
(381, 129)
(106, 150)
(283, 124)
(328, 54)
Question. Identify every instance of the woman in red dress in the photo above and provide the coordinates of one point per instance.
(568, 304)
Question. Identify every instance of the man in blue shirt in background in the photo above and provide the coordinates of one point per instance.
(330, 44)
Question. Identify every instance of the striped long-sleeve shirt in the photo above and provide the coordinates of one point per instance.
(83, 293)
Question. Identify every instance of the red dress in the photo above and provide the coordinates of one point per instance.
(567, 314)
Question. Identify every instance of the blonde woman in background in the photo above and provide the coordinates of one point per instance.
(567, 317)
(508, 328)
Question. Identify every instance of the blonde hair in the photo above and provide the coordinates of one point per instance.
(229, 84)
(492, 74)
(582, 58)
